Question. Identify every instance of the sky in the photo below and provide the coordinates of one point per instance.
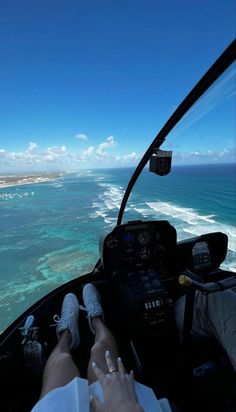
(89, 83)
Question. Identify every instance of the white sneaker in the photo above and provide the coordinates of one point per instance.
(69, 319)
(92, 302)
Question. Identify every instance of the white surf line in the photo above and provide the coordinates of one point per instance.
(109, 201)
(198, 224)
(185, 214)
(9, 196)
(230, 231)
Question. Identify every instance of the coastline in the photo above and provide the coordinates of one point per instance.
(10, 181)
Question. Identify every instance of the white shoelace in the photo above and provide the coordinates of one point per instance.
(84, 309)
(57, 319)
(93, 308)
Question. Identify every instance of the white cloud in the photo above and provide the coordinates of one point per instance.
(30, 156)
(86, 154)
(57, 156)
(81, 136)
(32, 146)
(89, 151)
(56, 150)
(132, 157)
(109, 142)
(224, 155)
(60, 158)
(2, 153)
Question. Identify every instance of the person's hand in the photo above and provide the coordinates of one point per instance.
(118, 388)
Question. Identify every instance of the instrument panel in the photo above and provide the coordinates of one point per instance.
(138, 257)
(137, 246)
(142, 259)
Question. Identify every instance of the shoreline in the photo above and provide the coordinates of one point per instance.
(11, 181)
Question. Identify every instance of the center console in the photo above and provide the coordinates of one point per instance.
(138, 259)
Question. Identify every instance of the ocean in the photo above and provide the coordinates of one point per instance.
(50, 231)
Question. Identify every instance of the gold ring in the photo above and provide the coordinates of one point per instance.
(112, 369)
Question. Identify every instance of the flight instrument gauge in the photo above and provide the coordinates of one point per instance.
(144, 253)
(112, 242)
(144, 237)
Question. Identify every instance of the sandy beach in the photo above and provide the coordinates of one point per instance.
(14, 180)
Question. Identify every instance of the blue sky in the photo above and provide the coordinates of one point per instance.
(89, 83)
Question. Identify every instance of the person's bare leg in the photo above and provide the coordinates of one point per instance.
(104, 340)
(60, 368)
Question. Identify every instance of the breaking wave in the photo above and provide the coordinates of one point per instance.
(108, 203)
(188, 221)
(185, 214)
(16, 195)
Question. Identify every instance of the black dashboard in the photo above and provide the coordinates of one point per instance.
(143, 260)
(138, 257)
(139, 246)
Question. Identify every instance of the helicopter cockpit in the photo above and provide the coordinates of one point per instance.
(144, 268)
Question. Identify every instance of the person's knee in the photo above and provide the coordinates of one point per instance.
(99, 346)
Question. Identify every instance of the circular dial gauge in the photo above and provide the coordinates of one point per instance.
(144, 253)
(144, 237)
(112, 242)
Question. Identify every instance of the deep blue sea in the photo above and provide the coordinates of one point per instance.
(49, 232)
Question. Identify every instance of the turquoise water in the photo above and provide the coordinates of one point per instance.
(50, 231)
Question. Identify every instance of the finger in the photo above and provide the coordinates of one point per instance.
(131, 386)
(120, 366)
(110, 364)
(131, 375)
(130, 379)
(99, 374)
(95, 403)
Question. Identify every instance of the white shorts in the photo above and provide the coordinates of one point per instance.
(74, 397)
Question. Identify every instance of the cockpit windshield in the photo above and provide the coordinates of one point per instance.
(50, 230)
(198, 196)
